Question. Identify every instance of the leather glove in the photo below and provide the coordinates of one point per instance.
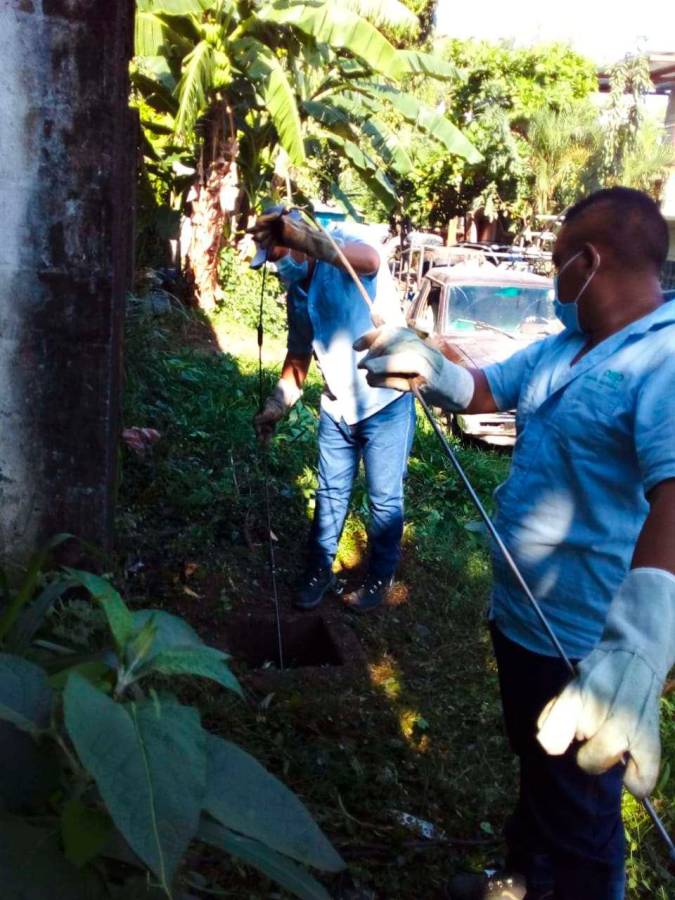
(396, 356)
(284, 396)
(279, 229)
(613, 702)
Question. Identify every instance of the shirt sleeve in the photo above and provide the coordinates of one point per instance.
(506, 378)
(300, 339)
(655, 424)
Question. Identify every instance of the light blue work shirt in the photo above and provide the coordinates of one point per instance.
(593, 440)
(327, 318)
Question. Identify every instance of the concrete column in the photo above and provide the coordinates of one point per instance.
(67, 152)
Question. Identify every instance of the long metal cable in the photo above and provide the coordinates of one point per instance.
(646, 802)
(265, 468)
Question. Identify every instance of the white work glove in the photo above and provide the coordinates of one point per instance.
(613, 702)
(396, 356)
(284, 396)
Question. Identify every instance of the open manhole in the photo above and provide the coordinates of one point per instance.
(307, 641)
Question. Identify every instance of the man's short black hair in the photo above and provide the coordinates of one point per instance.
(626, 220)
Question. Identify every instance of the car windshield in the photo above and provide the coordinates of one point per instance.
(513, 309)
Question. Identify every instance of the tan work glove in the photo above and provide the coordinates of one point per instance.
(397, 356)
(280, 229)
(284, 396)
(613, 703)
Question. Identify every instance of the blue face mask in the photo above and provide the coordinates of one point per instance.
(290, 271)
(568, 312)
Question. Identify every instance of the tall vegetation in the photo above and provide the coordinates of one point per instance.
(253, 88)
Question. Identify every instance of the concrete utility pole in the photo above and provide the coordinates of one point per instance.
(67, 156)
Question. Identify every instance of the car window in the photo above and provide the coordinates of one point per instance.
(511, 308)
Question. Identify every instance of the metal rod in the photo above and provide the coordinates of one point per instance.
(273, 567)
(270, 542)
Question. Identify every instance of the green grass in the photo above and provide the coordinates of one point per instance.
(420, 731)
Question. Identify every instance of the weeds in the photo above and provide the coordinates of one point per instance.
(421, 731)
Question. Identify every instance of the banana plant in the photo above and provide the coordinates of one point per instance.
(289, 75)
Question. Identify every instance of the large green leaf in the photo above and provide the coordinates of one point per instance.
(150, 34)
(428, 120)
(390, 13)
(345, 202)
(33, 868)
(194, 87)
(117, 613)
(149, 763)
(278, 96)
(170, 631)
(205, 662)
(344, 118)
(417, 63)
(25, 694)
(277, 867)
(329, 23)
(368, 169)
(176, 649)
(244, 796)
(332, 117)
(387, 144)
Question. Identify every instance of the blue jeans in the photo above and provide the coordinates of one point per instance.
(566, 832)
(383, 440)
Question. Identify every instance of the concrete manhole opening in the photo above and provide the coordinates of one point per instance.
(307, 642)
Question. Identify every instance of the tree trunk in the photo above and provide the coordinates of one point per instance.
(67, 153)
(213, 199)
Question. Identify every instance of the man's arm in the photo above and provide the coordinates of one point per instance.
(655, 547)
(364, 259)
(295, 368)
(286, 393)
(482, 400)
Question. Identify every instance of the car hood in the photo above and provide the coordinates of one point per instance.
(480, 350)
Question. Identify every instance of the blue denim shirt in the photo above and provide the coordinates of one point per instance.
(327, 317)
(593, 440)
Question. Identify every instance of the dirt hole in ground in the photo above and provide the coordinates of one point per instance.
(306, 642)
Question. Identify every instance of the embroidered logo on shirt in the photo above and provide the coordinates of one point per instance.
(614, 378)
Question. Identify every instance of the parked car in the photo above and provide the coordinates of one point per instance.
(480, 315)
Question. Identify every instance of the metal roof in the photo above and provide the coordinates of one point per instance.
(486, 274)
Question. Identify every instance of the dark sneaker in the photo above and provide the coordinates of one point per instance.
(479, 886)
(315, 585)
(370, 595)
(500, 886)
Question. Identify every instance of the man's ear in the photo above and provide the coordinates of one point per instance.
(591, 256)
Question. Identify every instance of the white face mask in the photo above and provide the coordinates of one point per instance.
(568, 312)
(290, 271)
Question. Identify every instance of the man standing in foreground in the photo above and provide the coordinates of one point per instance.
(326, 313)
(588, 512)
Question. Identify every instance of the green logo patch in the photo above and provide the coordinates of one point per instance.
(614, 378)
